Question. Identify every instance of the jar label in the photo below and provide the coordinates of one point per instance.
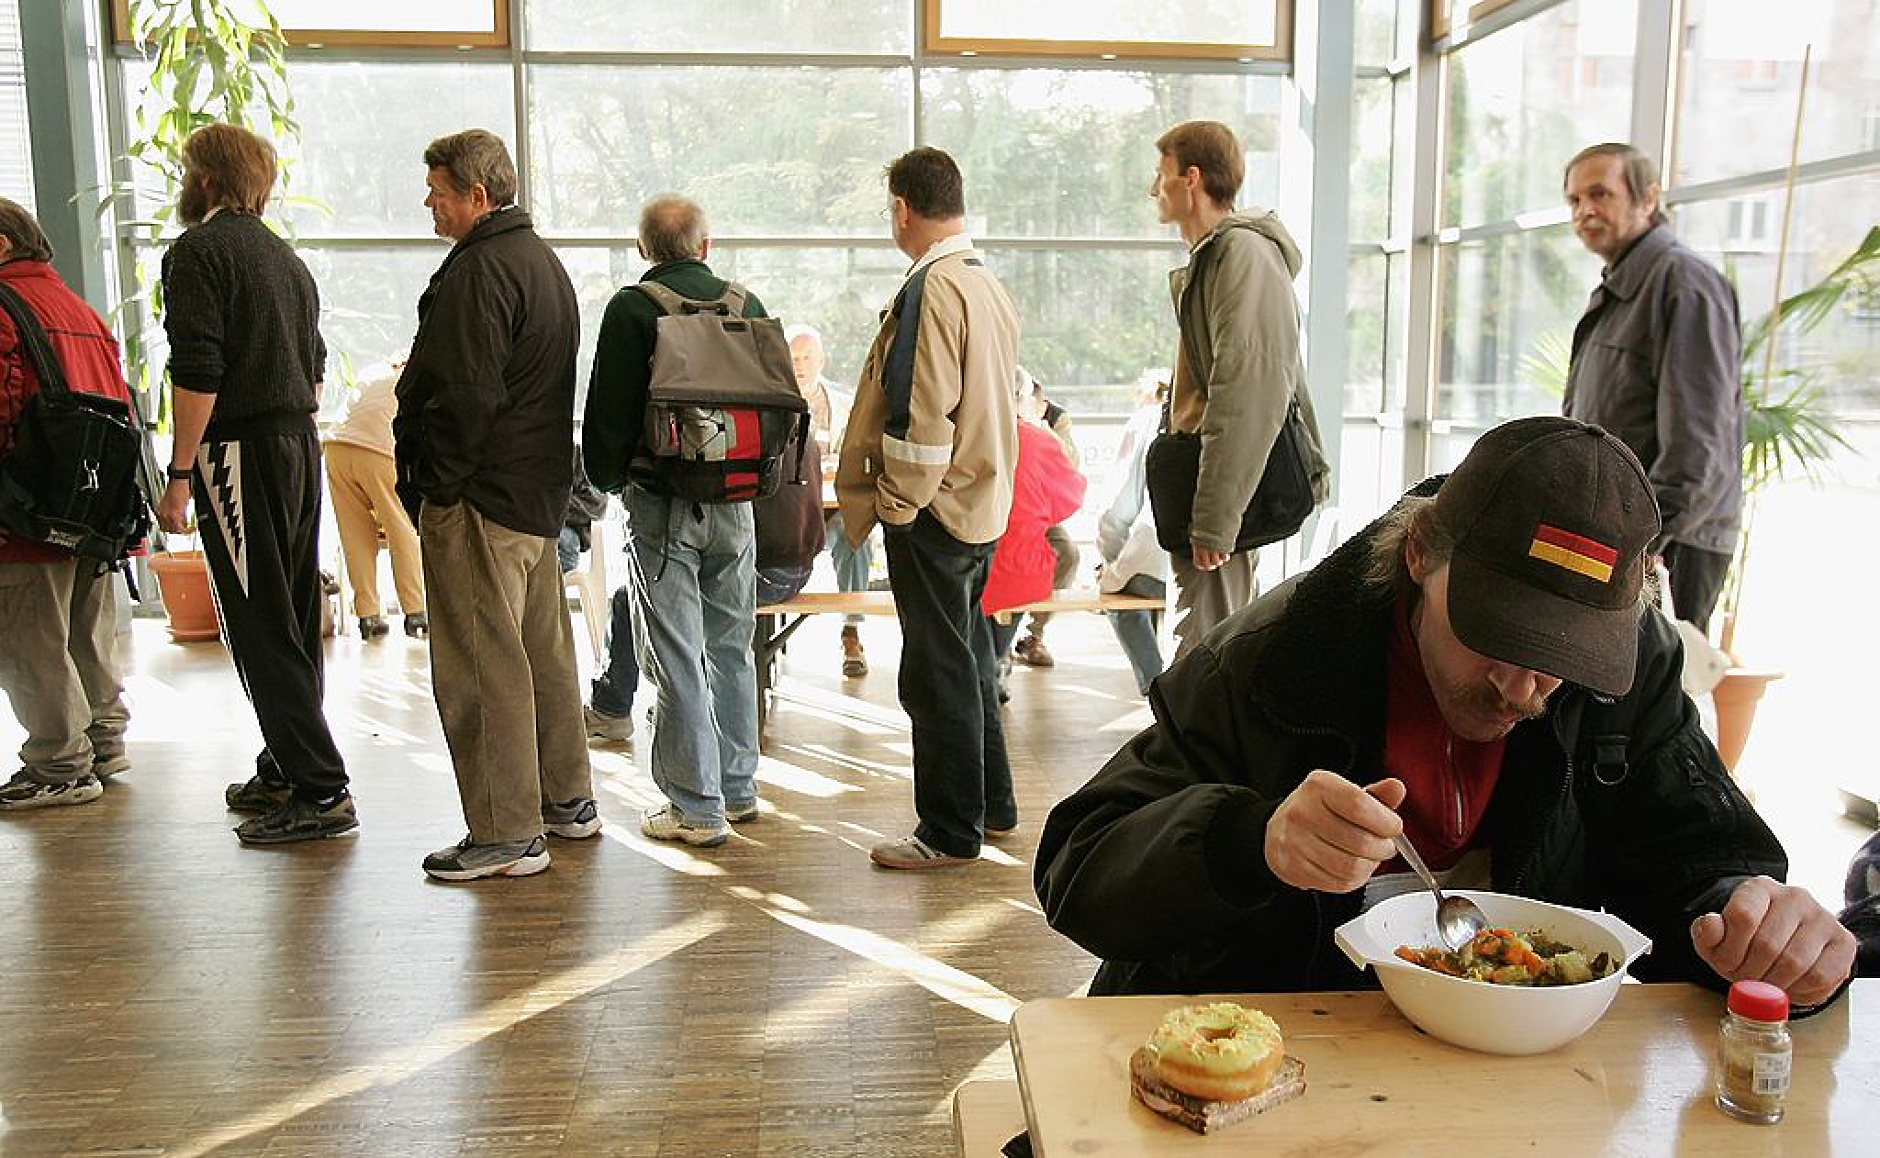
(1770, 1074)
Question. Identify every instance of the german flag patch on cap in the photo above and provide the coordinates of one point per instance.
(1574, 552)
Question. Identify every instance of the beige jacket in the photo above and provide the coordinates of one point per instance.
(933, 426)
(1238, 366)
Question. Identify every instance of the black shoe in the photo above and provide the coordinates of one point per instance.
(372, 626)
(256, 795)
(300, 820)
(417, 626)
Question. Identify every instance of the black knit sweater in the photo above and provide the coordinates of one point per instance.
(243, 317)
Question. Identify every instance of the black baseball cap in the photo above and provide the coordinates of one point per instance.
(1551, 519)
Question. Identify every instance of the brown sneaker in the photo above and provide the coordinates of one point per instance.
(914, 853)
(854, 660)
(1031, 652)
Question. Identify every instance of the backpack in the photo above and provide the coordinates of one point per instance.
(71, 480)
(722, 404)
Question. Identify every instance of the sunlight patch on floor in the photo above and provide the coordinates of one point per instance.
(399, 1064)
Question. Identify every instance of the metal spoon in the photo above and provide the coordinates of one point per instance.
(1458, 919)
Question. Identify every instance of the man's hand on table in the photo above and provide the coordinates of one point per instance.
(1769, 931)
(1330, 834)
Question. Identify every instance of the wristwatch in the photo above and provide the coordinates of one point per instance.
(181, 473)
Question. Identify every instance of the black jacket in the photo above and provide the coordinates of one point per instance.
(486, 403)
(1157, 865)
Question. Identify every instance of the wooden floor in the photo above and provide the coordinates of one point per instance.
(169, 992)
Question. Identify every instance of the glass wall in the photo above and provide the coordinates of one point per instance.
(785, 150)
(16, 154)
(1735, 129)
(1510, 286)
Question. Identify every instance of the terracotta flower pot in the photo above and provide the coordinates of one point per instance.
(183, 581)
(1736, 697)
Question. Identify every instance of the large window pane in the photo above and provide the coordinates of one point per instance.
(1091, 320)
(819, 26)
(1376, 41)
(1841, 356)
(1372, 147)
(369, 301)
(1167, 22)
(1524, 100)
(801, 153)
(1069, 154)
(1505, 302)
(363, 129)
(16, 154)
(1742, 74)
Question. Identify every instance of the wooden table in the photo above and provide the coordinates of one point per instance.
(1639, 1082)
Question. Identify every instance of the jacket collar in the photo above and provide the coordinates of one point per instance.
(497, 221)
(945, 247)
(1623, 278)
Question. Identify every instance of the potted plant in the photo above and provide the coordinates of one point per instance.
(210, 61)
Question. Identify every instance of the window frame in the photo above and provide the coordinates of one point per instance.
(497, 36)
(932, 42)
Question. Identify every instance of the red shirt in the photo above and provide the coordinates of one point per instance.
(84, 346)
(1449, 779)
(1046, 490)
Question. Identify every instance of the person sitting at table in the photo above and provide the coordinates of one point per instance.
(1473, 671)
(1046, 490)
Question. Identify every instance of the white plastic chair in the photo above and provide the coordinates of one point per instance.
(589, 587)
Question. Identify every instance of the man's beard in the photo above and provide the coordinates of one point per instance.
(192, 202)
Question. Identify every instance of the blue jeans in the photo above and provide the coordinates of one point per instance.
(948, 685)
(568, 549)
(611, 693)
(694, 612)
(1136, 630)
(851, 563)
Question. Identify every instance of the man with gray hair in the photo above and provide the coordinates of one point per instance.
(829, 407)
(1656, 360)
(693, 573)
(485, 420)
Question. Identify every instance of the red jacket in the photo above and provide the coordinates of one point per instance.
(1046, 490)
(84, 346)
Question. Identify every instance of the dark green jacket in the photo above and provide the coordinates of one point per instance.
(614, 425)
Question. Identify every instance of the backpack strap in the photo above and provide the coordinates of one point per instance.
(670, 301)
(33, 340)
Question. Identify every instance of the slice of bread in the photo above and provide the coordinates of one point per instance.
(1205, 1117)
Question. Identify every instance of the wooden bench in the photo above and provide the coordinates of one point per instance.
(777, 622)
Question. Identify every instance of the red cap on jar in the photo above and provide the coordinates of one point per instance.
(1758, 1001)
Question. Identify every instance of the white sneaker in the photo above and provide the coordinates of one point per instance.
(23, 792)
(669, 823)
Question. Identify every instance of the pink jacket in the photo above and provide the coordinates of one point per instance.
(1046, 490)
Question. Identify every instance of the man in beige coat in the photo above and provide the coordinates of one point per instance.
(1238, 366)
(929, 452)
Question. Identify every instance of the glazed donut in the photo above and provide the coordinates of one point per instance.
(1222, 1052)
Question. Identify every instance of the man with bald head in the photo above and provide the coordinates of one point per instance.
(694, 570)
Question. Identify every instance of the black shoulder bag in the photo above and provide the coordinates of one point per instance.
(71, 478)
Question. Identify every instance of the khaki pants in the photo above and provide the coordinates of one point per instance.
(503, 672)
(361, 483)
(58, 666)
(1204, 598)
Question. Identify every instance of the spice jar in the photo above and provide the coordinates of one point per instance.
(1754, 1052)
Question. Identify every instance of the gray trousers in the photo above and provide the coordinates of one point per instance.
(1204, 598)
(502, 671)
(58, 666)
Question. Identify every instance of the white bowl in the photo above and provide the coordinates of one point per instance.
(1504, 1019)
